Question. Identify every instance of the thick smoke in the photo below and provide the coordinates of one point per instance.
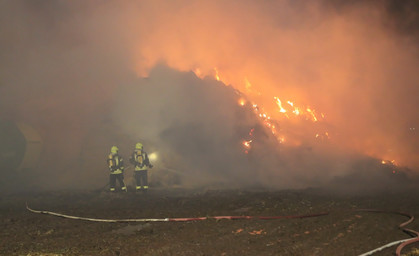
(345, 60)
(68, 69)
(196, 126)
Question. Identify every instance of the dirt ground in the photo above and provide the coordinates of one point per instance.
(344, 231)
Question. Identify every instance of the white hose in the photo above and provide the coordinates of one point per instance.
(168, 219)
(385, 246)
(93, 219)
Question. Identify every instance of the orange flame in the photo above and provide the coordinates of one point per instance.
(266, 118)
(278, 102)
(246, 143)
(311, 112)
(217, 76)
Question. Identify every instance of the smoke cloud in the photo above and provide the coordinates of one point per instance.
(88, 75)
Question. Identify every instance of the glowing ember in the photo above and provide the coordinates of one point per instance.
(266, 119)
(388, 162)
(322, 136)
(311, 112)
(278, 102)
(217, 76)
(251, 131)
(246, 143)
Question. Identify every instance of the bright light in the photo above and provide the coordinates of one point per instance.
(278, 102)
(246, 143)
(217, 76)
(153, 156)
(392, 162)
(311, 112)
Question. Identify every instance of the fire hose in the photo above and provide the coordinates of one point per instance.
(402, 243)
(178, 219)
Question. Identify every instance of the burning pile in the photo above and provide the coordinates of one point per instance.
(287, 111)
(288, 116)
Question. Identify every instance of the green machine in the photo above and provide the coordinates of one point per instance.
(20, 147)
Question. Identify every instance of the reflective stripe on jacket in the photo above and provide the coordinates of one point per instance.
(115, 164)
(140, 160)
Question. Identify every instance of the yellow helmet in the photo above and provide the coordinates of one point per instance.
(114, 149)
(139, 146)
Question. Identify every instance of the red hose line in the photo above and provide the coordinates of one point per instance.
(398, 251)
(401, 226)
(179, 219)
(402, 245)
(413, 240)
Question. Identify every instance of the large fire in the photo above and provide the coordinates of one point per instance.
(314, 73)
(294, 63)
(290, 110)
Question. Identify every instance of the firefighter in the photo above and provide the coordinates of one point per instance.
(116, 168)
(139, 159)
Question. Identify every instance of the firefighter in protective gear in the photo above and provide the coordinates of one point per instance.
(139, 159)
(116, 168)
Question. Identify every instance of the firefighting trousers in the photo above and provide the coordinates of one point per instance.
(141, 179)
(112, 181)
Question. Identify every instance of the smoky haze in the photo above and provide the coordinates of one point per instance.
(88, 75)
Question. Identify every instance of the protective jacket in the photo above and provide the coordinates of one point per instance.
(115, 164)
(140, 159)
